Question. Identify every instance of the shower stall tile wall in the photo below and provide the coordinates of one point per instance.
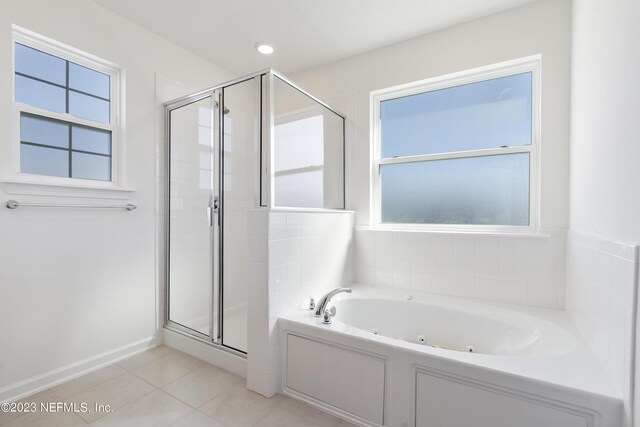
(294, 255)
(525, 270)
(601, 295)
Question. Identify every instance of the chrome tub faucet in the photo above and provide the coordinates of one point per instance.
(321, 306)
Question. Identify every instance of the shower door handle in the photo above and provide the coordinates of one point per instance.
(212, 209)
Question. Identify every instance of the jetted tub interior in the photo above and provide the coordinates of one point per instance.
(474, 329)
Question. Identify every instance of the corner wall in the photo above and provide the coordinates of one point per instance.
(294, 255)
(605, 184)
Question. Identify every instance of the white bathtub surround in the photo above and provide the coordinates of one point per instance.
(294, 255)
(541, 368)
(526, 270)
(601, 299)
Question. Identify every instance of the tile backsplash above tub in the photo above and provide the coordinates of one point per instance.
(527, 270)
(601, 299)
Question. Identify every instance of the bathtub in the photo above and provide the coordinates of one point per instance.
(399, 359)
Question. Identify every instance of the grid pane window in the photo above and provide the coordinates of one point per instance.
(62, 145)
(58, 148)
(458, 155)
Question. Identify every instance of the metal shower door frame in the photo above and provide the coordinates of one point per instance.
(264, 191)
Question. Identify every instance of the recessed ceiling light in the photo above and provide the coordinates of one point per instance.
(264, 48)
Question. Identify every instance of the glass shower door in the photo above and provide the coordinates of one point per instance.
(192, 218)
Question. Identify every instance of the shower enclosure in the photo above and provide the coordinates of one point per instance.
(258, 142)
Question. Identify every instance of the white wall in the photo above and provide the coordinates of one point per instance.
(538, 28)
(605, 177)
(78, 287)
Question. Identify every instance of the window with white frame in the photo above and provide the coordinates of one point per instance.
(67, 111)
(459, 151)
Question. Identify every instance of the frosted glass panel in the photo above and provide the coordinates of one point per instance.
(89, 166)
(308, 151)
(302, 189)
(88, 107)
(89, 81)
(42, 95)
(44, 131)
(487, 114)
(93, 140)
(489, 190)
(41, 65)
(44, 161)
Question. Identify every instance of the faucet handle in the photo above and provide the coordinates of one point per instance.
(312, 303)
(327, 317)
(332, 310)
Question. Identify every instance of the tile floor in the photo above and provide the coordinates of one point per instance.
(165, 387)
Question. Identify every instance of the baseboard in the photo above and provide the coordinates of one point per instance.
(54, 377)
(226, 360)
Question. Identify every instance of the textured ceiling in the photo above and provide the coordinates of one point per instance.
(304, 33)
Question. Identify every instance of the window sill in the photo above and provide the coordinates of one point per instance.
(308, 210)
(54, 189)
(477, 232)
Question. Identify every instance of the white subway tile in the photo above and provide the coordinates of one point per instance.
(277, 277)
(384, 277)
(384, 250)
(277, 225)
(402, 251)
(293, 249)
(308, 270)
(365, 239)
(306, 247)
(402, 279)
(295, 299)
(366, 257)
(489, 257)
(622, 280)
(422, 252)
(513, 293)
(542, 296)
(295, 222)
(488, 289)
(442, 254)
(293, 274)
(441, 283)
(277, 252)
(365, 275)
(603, 271)
(464, 256)
(422, 282)
(514, 259)
(464, 286)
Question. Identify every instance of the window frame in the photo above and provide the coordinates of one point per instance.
(116, 116)
(527, 64)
